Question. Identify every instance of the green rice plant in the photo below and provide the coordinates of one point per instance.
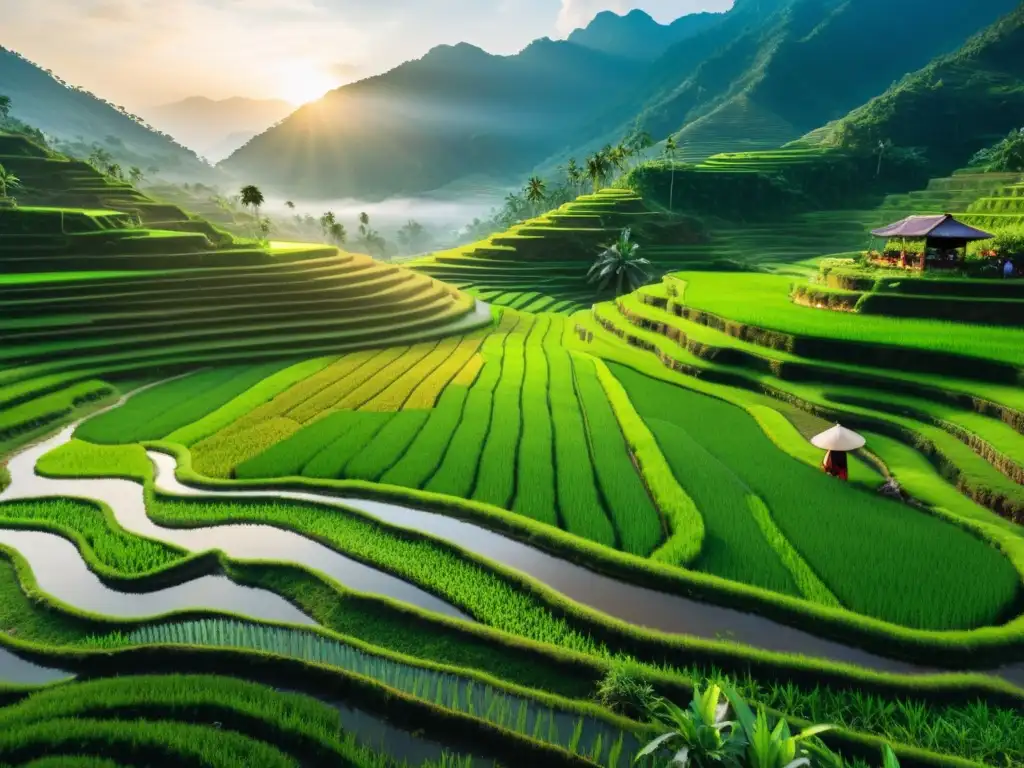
(387, 446)
(447, 690)
(423, 456)
(633, 514)
(331, 461)
(78, 458)
(254, 397)
(684, 520)
(426, 394)
(580, 505)
(364, 367)
(836, 528)
(495, 480)
(386, 376)
(535, 487)
(218, 456)
(288, 457)
(395, 396)
(762, 300)
(31, 416)
(163, 409)
(123, 553)
(734, 546)
(457, 471)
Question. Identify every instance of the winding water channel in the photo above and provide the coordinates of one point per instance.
(631, 603)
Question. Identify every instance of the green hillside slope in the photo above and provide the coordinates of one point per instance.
(78, 120)
(456, 111)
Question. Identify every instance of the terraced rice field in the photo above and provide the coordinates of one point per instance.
(383, 524)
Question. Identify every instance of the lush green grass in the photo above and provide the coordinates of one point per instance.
(909, 582)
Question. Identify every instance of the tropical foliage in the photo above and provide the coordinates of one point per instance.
(620, 266)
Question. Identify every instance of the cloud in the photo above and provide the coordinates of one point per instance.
(578, 13)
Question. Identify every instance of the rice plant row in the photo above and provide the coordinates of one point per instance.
(426, 394)
(457, 471)
(387, 446)
(636, 519)
(581, 734)
(496, 476)
(535, 489)
(157, 412)
(838, 528)
(290, 456)
(387, 376)
(254, 397)
(335, 396)
(332, 459)
(394, 396)
(579, 503)
(122, 552)
(219, 455)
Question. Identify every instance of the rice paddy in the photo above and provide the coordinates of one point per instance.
(659, 438)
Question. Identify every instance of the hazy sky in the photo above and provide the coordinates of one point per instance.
(140, 53)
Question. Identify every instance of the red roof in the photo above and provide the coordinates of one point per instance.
(943, 227)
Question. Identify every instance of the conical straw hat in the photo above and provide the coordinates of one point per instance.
(839, 438)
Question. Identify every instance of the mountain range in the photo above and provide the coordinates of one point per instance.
(760, 75)
(79, 120)
(216, 128)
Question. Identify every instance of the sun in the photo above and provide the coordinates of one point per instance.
(304, 82)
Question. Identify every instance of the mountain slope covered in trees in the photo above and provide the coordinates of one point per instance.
(79, 120)
(637, 36)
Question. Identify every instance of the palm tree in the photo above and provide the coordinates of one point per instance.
(136, 175)
(640, 141)
(7, 181)
(620, 264)
(535, 191)
(100, 158)
(252, 197)
(670, 153)
(114, 171)
(5, 107)
(574, 174)
(364, 224)
(597, 169)
(290, 204)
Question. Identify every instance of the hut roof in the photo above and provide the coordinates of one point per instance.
(941, 227)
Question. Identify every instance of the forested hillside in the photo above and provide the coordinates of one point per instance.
(80, 121)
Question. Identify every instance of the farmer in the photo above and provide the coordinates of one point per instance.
(837, 442)
(1008, 268)
(835, 465)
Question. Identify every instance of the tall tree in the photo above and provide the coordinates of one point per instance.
(670, 154)
(597, 169)
(99, 158)
(412, 236)
(5, 107)
(883, 147)
(337, 234)
(535, 192)
(136, 175)
(114, 171)
(640, 142)
(7, 181)
(252, 197)
(327, 221)
(290, 204)
(574, 175)
(364, 224)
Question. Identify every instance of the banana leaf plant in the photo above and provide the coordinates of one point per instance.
(700, 735)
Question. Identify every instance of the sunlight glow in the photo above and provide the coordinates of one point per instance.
(302, 82)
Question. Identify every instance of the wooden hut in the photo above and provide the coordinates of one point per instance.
(945, 239)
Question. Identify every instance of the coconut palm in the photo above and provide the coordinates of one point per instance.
(7, 181)
(100, 158)
(290, 204)
(327, 220)
(5, 107)
(136, 175)
(114, 171)
(620, 265)
(364, 224)
(574, 175)
(670, 154)
(597, 169)
(252, 197)
(535, 191)
(640, 141)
